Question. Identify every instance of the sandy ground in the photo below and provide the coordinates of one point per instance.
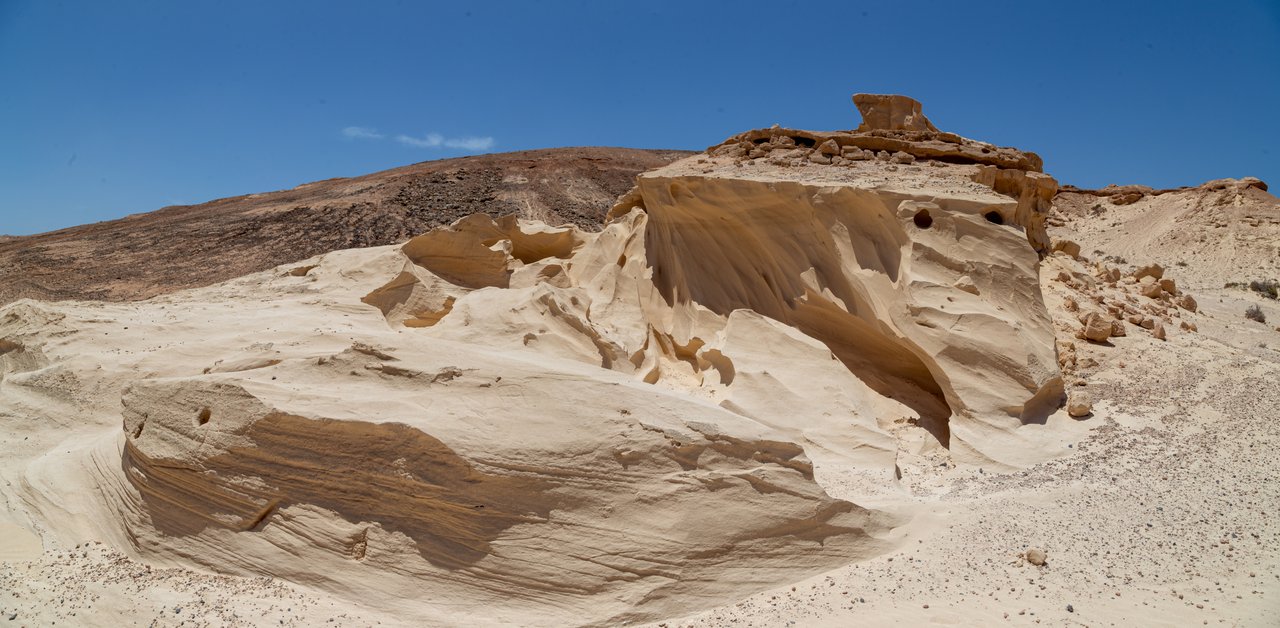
(1161, 511)
(1165, 514)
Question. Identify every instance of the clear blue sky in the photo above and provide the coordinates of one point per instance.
(111, 108)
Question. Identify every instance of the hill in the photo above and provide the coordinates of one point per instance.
(148, 254)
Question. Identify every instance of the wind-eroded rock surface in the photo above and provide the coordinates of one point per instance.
(720, 391)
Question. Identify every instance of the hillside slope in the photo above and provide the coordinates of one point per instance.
(1223, 231)
(154, 253)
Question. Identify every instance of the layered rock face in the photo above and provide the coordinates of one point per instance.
(544, 425)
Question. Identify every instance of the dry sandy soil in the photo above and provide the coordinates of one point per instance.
(659, 423)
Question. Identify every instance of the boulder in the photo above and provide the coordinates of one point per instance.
(1150, 270)
(1037, 557)
(1079, 404)
(1097, 328)
(891, 112)
(1150, 288)
(1068, 247)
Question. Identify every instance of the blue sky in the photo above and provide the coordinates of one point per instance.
(112, 108)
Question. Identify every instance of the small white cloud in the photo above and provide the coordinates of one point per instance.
(470, 143)
(435, 140)
(432, 140)
(362, 133)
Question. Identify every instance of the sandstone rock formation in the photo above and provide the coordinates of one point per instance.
(891, 112)
(509, 421)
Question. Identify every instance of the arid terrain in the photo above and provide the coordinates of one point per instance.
(883, 376)
(153, 253)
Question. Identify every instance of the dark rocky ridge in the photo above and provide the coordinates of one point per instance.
(149, 254)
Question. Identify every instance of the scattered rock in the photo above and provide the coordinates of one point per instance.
(1037, 557)
(1151, 270)
(1150, 288)
(1068, 247)
(819, 158)
(1079, 405)
(1097, 328)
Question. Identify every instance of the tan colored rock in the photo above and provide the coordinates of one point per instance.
(1117, 328)
(1150, 288)
(966, 284)
(1157, 330)
(853, 153)
(1079, 404)
(1068, 247)
(1097, 328)
(903, 157)
(891, 112)
(1155, 271)
(1037, 557)
(1034, 192)
(1188, 326)
(829, 147)
(1168, 285)
(1186, 302)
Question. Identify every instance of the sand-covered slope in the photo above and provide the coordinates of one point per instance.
(1224, 231)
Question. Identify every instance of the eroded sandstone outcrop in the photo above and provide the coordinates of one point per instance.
(561, 426)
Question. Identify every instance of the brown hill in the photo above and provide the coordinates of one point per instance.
(179, 247)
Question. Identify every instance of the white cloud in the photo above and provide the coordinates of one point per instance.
(362, 133)
(435, 140)
(470, 143)
(430, 140)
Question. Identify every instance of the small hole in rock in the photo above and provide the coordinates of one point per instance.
(994, 217)
(204, 416)
(923, 219)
